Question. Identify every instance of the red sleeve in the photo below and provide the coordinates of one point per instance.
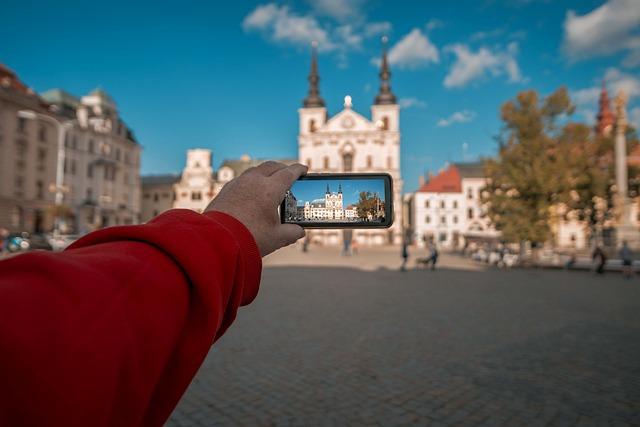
(111, 331)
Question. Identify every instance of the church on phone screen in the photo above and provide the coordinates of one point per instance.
(349, 142)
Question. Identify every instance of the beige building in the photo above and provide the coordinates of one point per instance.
(27, 158)
(195, 187)
(100, 182)
(350, 142)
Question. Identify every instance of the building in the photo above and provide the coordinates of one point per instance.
(99, 182)
(28, 153)
(350, 142)
(329, 208)
(195, 187)
(448, 208)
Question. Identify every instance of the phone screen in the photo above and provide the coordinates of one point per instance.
(339, 201)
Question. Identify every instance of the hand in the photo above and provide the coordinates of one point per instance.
(253, 199)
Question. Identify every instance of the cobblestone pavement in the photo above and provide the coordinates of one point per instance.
(343, 346)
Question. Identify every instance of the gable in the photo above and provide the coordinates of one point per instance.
(347, 120)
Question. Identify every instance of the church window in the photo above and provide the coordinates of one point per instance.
(312, 125)
(470, 213)
(369, 161)
(469, 193)
(385, 123)
(196, 195)
(326, 162)
(427, 204)
(347, 162)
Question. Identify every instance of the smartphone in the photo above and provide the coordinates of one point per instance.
(335, 200)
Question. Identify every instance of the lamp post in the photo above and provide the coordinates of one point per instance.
(62, 129)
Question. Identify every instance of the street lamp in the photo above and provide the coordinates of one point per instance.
(62, 129)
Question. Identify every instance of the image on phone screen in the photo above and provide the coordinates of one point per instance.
(339, 200)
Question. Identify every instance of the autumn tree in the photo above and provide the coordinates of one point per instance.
(526, 179)
(367, 205)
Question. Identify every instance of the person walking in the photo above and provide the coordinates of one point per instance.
(627, 260)
(405, 255)
(600, 258)
(433, 258)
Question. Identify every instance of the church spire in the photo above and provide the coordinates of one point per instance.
(605, 117)
(328, 189)
(313, 98)
(385, 96)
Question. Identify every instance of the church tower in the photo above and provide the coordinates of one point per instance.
(385, 111)
(605, 118)
(313, 113)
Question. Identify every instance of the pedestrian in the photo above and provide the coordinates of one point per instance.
(112, 330)
(433, 257)
(305, 243)
(405, 255)
(600, 259)
(571, 262)
(627, 260)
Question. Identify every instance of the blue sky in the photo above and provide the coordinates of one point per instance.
(310, 190)
(230, 76)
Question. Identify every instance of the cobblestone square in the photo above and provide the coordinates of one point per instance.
(353, 341)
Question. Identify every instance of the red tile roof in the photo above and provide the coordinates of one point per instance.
(8, 78)
(447, 181)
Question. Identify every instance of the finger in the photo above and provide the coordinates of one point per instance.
(287, 176)
(269, 168)
(290, 233)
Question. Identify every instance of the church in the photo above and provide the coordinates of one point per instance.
(349, 142)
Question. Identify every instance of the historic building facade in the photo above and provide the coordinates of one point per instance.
(97, 180)
(350, 142)
(329, 208)
(448, 209)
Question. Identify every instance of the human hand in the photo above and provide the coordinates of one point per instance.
(253, 199)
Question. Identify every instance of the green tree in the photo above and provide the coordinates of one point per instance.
(367, 204)
(526, 179)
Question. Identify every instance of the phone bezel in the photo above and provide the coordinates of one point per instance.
(388, 209)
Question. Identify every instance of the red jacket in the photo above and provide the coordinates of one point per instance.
(111, 331)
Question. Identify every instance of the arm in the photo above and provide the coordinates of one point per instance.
(111, 331)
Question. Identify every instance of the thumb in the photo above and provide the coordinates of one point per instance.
(289, 233)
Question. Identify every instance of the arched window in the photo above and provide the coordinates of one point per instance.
(326, 162)
(312, 125)
(385, 123)
(369, 161)
(347, 162)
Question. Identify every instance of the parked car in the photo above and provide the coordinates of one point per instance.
(23, 241)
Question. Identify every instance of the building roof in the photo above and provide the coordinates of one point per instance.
(166, 179)
(447, 181)
(9, 79)
(59, 96)
(470, 169)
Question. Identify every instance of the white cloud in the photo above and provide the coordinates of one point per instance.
(610, 28)
(413, 50)
(340, 10)
(347, 35)
(433, 24)
(411, 102)
(374, 28)
(463, 116)
(471, 65)
(634, 117)
(617, 80)
(281, 25)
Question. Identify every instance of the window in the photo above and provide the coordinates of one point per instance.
(427, 219)
(165, 195)
(90, 171)
(89, 194)
(39, 190)
(442, 237)
(442, 204)
(385, 123)
(469, 193)
(470, 213)
(196, 195)
(74, 142)
(21, 147)
(156, 197)
(455, 219)
(147, 196)
(443, 220)
(427, 204)
(42, 133)
(389, 162)
(41, 157)
(326, 162)
(312, 125)
(73, 166)
(22, 124)
(18, 181)
(92, 147)
(369, 161)
(347, 162)
(455, 204)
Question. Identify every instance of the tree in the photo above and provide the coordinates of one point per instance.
(525, 181)
(367, 205)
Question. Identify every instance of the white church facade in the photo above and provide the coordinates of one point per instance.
(350, 142)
